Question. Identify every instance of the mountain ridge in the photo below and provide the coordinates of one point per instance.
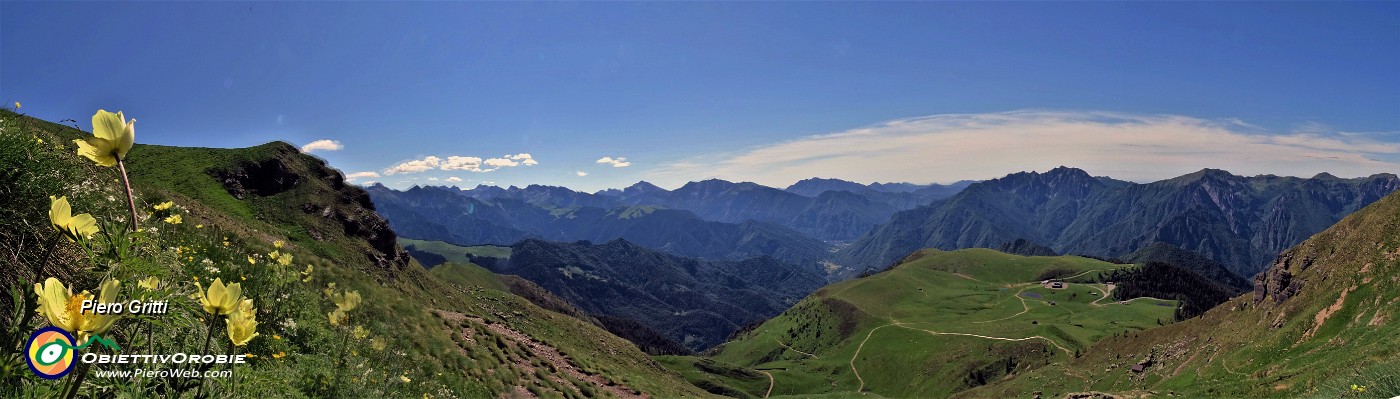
(1238, 221)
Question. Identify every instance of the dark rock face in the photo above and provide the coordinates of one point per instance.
(325, 194)
(1278, 281)
(262, 178)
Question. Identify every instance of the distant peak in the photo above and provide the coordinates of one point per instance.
(1324, 175)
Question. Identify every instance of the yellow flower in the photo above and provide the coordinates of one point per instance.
(63, 308)
(285, 260)
(112, 137)
(377, 344)
(359, 333)
(16, 104)
(38, 141)
(279, 355)
(277, 337)
(72, 226)
(199, 226)
(149, 283)
(251, 261)
(278, 244)
(336, 317)
(250, 355)
(243, 323)
(404, 379)
(347, 301)
(220, 299)
(164, 205)
(273, 255)
(174, 219)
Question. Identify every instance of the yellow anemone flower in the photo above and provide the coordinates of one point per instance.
(337, 317)
(359, 333)
(347, 301)
(112, 137)
(164, 205)
(243, 323)
(149, 283)
(72, 226)
(220, 299)
(285, 260)
(63, 308)
(174, 219)
(278, 244)
(377, 344)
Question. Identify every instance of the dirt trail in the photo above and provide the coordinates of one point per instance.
(770, 383)
(794, 349)
(1051, 341)
(1024, 308)
(544, 352)
(857, 354)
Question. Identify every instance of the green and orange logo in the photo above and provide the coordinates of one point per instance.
(50, 352)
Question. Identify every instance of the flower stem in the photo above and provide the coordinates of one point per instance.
(130, 200)
(53, 242)
(207, 337)
(78, 383)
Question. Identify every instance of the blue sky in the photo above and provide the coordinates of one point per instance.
(767, 92)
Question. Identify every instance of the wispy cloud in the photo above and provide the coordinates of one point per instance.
(454, 179)
(581, 173)
(360, 175)
(980, 146)
(322, 145)
(619, 162)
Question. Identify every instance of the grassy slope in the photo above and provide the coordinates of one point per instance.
(1269, 349)
(456, 253)
(403, 303)
(896, 313)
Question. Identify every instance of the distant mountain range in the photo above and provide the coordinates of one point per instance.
(712, 219)
(445, 214)
(1241, 222)
(697, 303)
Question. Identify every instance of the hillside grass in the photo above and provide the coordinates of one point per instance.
(1315, 343)
(909, 320)
(454, 333)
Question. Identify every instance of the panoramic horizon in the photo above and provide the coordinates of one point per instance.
(846, 199)
(600, 96)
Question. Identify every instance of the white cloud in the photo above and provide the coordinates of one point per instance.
(581, 173)
(454, 179)
(524, 158)
(322, 145)
(619, 162)
(497, 163)
(360, 175)
(432, 179)
(471, 164)
(946, 148)
(414, 166)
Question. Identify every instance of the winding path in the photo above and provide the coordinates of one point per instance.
(770, 383)
(794, 349)
(1051, 341)
(857, 354)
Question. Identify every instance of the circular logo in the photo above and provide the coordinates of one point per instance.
(50, 353)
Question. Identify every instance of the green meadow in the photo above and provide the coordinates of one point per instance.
(936, 324)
